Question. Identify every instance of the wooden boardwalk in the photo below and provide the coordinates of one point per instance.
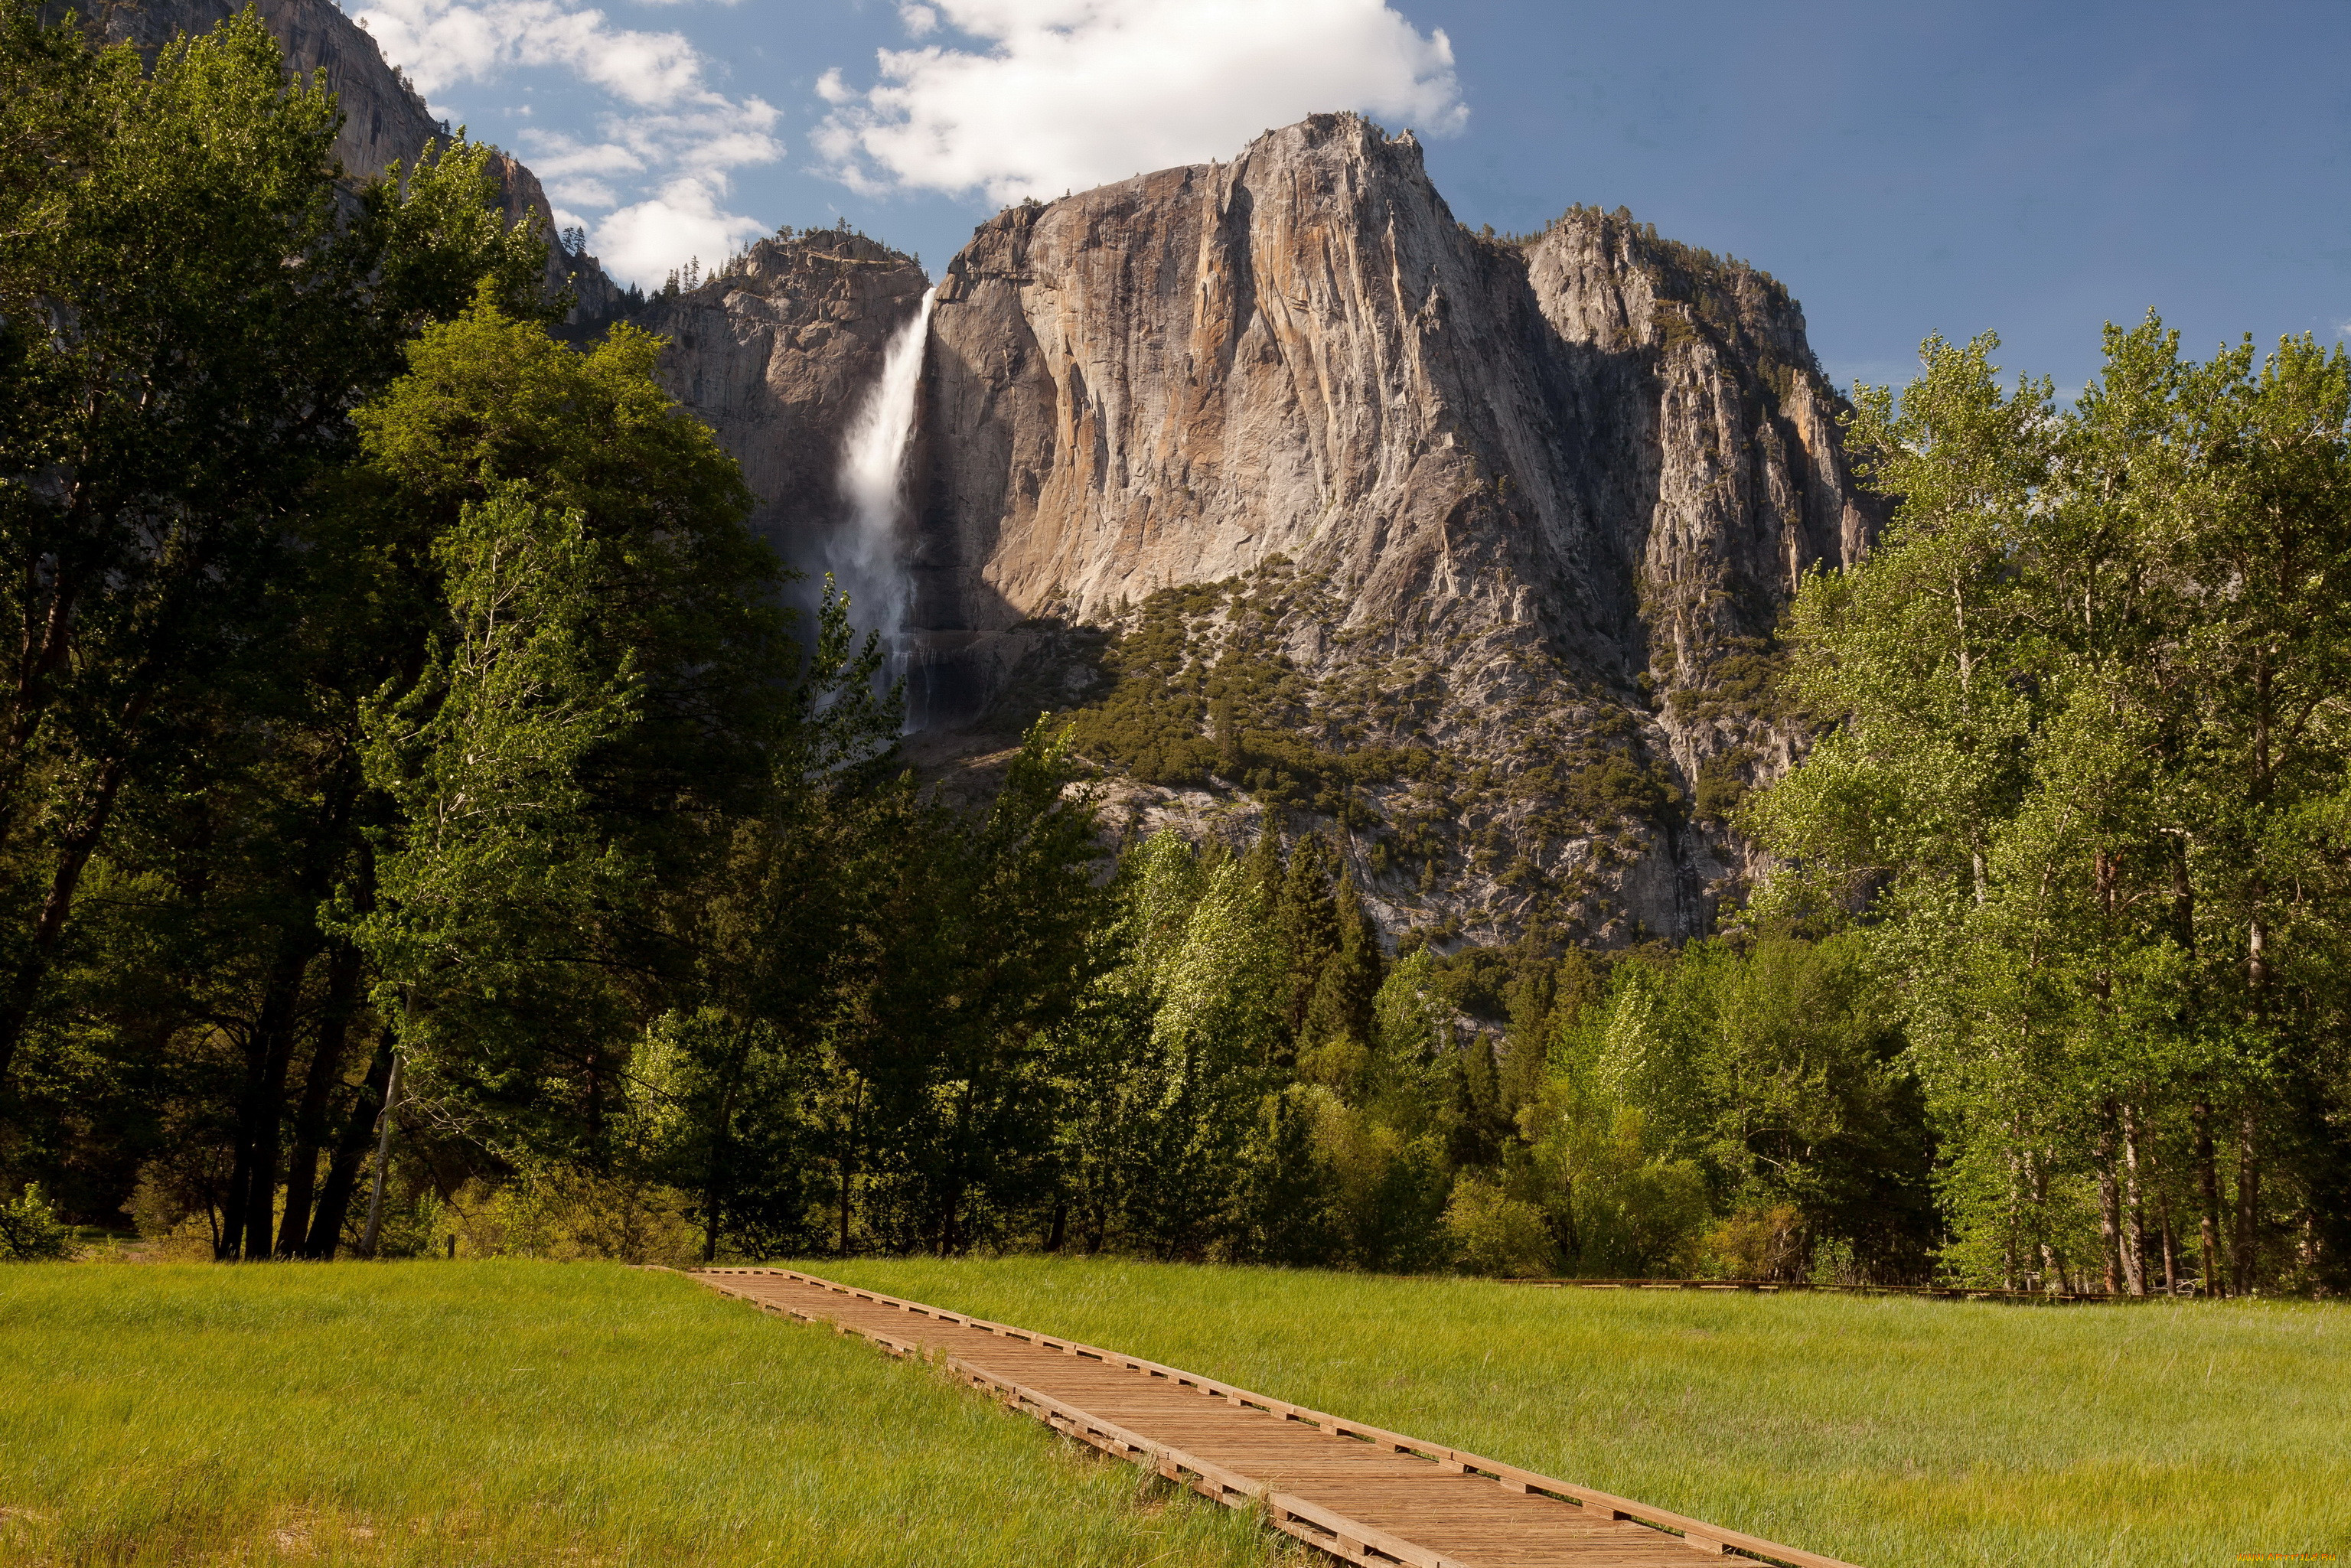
(1358, 1492)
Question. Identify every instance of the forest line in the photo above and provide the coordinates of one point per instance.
(400, 682)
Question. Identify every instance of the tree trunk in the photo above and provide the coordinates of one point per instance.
(228, 1239)
(2208, 1184)
(350, 1148)
(848, 1173)
(2052, 1262)
(714, 1195)
(950, 1200)
(2249, 1201)
(2134, 1211)
(2010, 1243)
(847, 1156)
(344, 967)
(2109, 1227)
(74, 851)
(263, 1122)
(2170, 1247)
(382, 1160)
(951, 1196)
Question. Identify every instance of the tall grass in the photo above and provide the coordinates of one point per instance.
(1893, 1433)
(513, 1413)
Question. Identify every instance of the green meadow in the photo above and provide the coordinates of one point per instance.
(508, 1413)
(505, 1414)
(1893, 1433)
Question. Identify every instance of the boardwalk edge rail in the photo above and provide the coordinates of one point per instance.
(1806, 1287)
(1308, 1522)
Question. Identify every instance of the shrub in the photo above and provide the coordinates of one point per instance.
(30, 1230)
(1617, 786)
(1757, 1244)
(1721, 785)
(558, 1212)
(173, 1230)
(1493, 1233)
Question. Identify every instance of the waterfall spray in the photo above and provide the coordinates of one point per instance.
(864, 557)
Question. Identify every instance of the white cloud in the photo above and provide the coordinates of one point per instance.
(684, 219)
(659, 156)
(1073, 93)
(441, 43)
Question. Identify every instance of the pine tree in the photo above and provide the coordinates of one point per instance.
(1306, 916)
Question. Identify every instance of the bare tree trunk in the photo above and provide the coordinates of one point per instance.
(319, 1086)
(228, 1237)
(265, 1111)
(2015, 1220)
(717, 1195)
(847, 1173)
(2170, 1249)
(343, 1165)
(2249, 1200)
(2208, 1183)
(2134, 1212)
(2109, 1229)
(382, 1159)
(2052, 1262)
(848, 1157)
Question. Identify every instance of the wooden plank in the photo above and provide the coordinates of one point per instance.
(1371, 1495)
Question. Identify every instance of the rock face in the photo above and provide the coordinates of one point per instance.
(775, 352)
(1300, 496)
(1525, 509)
(1300, 353)
(594, 295)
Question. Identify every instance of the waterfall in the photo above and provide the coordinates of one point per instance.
(864, 557)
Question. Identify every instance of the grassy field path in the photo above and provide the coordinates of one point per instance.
(1362, 1494)
(1888, 1432)
(517, 1414)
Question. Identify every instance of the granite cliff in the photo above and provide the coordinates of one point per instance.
(1301, 494)
(1297, 494)
(775, 351)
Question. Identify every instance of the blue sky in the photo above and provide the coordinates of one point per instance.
(2033, 169)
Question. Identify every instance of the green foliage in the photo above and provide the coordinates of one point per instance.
(1721, 785)
(1745, 680)
(490, 401)
(2085, 782)
(188, 313)
(489, 897)
(30, 1230)
(1612, 1126)
(1616, 785)
(1735, 1081)
(601, 701)
(564, 1213)
(1203, 691)
(1494, 1233)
